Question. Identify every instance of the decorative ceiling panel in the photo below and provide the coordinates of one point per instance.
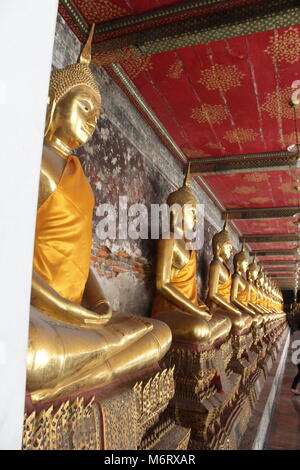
(221, 96)
(278, 258)
(270, 226)
(256, 189)
(273, 246)
(226, 97)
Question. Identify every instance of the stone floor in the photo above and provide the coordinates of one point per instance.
(284, 429)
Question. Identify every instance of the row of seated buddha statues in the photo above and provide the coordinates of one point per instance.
(219, 345)
(90, 370)
(83, 359)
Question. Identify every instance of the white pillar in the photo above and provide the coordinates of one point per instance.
(26, 36)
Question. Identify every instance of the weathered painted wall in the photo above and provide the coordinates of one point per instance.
(126, 158)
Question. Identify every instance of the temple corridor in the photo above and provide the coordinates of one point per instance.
(150, 227)
(284, 428)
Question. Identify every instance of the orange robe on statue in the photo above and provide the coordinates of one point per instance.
(243, 295)
(225, 289)
(63, 237)
(185, 282)
(253, 296)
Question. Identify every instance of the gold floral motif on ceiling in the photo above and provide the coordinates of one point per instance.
(221, 77)
(261, 224)
(212, 113)
(277, 104)
(245, 190)
(212, 145)
(240, 135)
(193, 153)
(135, 65)
(256, 177)
(292, 201)
(104, 58)
(121, 56)
(284, 47)
(259, 200)
(287, 187)
(97, 11)
(175, 70)
(268, 228)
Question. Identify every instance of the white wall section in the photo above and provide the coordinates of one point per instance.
(26, 35)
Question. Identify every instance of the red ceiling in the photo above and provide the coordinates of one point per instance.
(228, 97)
(273, 246)
(269, 226)
(256, 189)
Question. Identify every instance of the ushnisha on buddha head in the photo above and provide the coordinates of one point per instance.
(73, 104)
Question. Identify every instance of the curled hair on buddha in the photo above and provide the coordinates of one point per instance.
(241, 255)
(222, 237)
(183, 195)
(63, 80)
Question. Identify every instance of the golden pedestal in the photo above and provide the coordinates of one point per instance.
(123, 416)
(216, 390)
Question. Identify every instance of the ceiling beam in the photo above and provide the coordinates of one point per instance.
(290, 269)
(267, 263)
(243, 163)
(271, 238)
(282, 276)
(260, 213)
(131, 41)
(159, 16)
(274, 252)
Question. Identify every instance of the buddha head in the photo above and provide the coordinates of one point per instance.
(222, 243)
(240, 260)
(260, 281)
(183, 206)
(73, 104)
(253, 270)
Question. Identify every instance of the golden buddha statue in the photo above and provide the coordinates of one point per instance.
(75, 342)
(240, 290)
(261, 296)
(268, 290)
(220, 281)
(274, 302)
(252, 274)
(176, 301)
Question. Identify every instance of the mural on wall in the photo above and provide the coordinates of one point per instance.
(125, 158)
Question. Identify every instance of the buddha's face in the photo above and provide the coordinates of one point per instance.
(189, 215)
(260, 279)
(75, 116)
(225, 250)
(243, 266)
(252, 273)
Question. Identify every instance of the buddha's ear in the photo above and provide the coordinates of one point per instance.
(50, 111)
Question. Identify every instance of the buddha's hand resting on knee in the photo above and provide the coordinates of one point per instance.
(49, 301)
